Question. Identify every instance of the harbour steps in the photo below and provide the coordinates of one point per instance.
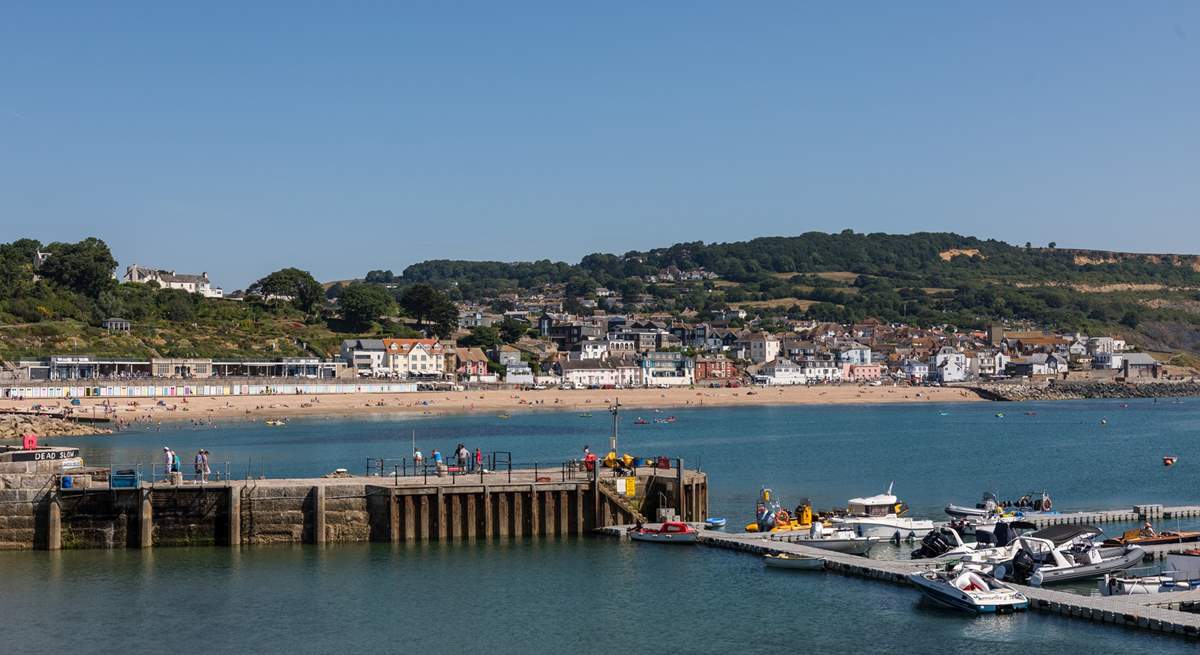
(1157, 613)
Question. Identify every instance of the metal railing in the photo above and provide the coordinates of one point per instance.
(218, 472)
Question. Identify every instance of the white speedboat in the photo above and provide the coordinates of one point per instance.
(942, 542)
(1182, 573)
(838, 541)
(1062, 553)
(882, 516)
(788, 561)
(968, 590)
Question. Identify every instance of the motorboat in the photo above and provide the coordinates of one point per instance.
(986, 507)
(969, 590)
(714, 523)
(1062, 553)
(1181, 573)
(838, 541)
(640, 421)
(671, 532)
(790, 561)
(944, 541)
(1113, 584)
(276, 422)
(882, 516)
(1169, 460)
(1147, 537)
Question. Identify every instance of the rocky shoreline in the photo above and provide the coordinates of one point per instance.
(1059, 390)
(12, 426)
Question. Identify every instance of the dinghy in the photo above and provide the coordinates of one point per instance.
(671, 532)
(799, 562)
(970, 591)
(714, 523)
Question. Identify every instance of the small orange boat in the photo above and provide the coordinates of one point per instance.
(1131, 537)
(1169, 460)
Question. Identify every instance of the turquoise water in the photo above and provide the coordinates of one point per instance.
(595, 595)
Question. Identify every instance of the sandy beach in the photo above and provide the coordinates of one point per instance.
(436, 403)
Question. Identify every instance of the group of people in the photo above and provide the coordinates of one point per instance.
(172, 463)
(465, 460)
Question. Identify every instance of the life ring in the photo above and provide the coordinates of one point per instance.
(1047, 505)
(782, 517)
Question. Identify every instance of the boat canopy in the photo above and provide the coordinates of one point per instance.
(1061, 534)
(881, 499)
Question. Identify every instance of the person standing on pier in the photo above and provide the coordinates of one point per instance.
(418, 459)
(168, 460)
(478, 459)
(464, 459)
(198, 464)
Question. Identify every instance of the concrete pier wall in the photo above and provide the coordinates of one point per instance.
(318, 511)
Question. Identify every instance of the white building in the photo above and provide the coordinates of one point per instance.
(949, 365)
(762, 347)
(519, 373)
(171, 280)
(816, 369)
(414, 358)
(366, 356)
(781, 371)
(601, 373)
(589, 350)
(915, 369)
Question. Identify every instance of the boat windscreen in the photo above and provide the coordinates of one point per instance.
(1061, 534)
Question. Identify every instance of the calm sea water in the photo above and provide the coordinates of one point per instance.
(593, 595)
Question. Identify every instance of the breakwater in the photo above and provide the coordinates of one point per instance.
(15, 424)
(1067, 390)
(40, 511)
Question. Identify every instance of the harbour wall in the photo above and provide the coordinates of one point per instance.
(1067, 390)
(36, 513)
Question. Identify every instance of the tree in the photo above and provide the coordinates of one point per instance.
(483, 336)
(511, 329)
(1130, 320)
(176, 305)
(428, 305)
(363, 303)
(1053, 245)
(300, 286)
(85, 267)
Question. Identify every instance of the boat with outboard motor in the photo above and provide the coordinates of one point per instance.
(1181, 573)
(671, 532)
(968, 590)
(1148, 537)
(1062, 553)
(770, 516)
(838, 541)
(984, 508)
(882, 516)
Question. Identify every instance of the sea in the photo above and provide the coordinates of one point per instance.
(597, 595)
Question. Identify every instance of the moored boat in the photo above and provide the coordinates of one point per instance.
(1144, 537)
(671, 532)
(970, 591)
(789, 561)
(714, 523)
(882, 516)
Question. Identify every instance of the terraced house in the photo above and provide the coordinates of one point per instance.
(415, 358)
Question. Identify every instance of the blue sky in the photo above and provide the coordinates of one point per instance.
(237, 140)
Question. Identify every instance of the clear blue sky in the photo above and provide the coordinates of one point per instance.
(239, 140)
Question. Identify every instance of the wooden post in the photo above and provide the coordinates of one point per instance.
(410, 533)
(54, 524)
(596, 496)
(578, 493)
(146, 522)
(503, 513)
(487, 512)
(234, 509)
(318, 514)
(472, 517)
(681, 502)
(439, 515)
(534, 511)
(393, 516)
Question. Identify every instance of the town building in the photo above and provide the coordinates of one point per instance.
(364, 356)
(414, 358)
(171, 280)
(714, 367)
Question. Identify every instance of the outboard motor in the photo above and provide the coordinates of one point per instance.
(1023, 566)
(1002, 534)
(935, 544)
